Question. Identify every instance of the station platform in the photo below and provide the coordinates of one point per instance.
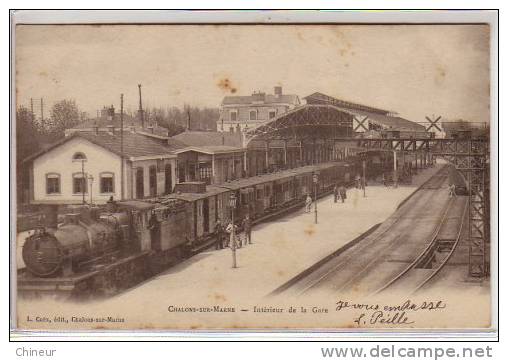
(281, 249)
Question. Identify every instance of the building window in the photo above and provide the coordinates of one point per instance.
(107, 184)
(78, 157)
(53, 183)
(233, 115)
(205, 172)
(79, 183)
(272, 114)
(253, 115)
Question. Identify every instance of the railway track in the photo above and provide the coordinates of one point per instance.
(440, 248)
(373, 264)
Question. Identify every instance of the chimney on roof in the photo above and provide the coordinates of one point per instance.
(277, 90)
(141, 114)
(258, 97)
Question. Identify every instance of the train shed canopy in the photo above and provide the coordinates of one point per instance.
(382, 118)
(308, 121)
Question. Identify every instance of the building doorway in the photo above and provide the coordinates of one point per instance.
(206, 216)
(152, 181)
(168, 180)
(140, 184)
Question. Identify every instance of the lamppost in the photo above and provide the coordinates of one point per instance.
(90, 178)
(315, 179)
(364, 179)
(83, 179)
(232, 205)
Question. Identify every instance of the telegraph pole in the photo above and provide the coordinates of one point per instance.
(121, 150)
(394, 169)
(232, 241)
(141, 115)
(364, 179)
(42, 111)
(32, 109)
(315, 180)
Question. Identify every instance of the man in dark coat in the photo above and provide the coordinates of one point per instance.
(247, 228)
(335, 193)
(342, 192)
(155, 232)
(219, 235)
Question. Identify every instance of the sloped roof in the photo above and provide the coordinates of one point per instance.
(128, 121)
(320, 98)
(376, 115)
(268, 99)
(203, 139)
(134, 144)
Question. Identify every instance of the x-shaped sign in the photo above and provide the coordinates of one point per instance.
(433, 124)
(361, 123)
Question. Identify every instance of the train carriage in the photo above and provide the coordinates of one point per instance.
(202, 211)
(159, 232)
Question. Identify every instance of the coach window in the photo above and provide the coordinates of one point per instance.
(107, 184)
(53, 183)
(79, 184)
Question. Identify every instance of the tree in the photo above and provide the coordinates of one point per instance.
(64, 114)
(27, 142)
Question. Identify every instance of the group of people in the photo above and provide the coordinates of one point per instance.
(224, 235)
(339, 192)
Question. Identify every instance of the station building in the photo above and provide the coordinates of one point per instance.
(87, 166)
(154, 164)
(243, 112)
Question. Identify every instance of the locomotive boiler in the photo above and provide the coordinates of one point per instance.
(83, 237)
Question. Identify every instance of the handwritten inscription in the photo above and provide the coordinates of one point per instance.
(388, 315)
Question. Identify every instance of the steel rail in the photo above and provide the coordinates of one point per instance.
(457, 239)
(433, 238)
(369, 243)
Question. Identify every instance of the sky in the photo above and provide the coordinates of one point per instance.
(415, 70)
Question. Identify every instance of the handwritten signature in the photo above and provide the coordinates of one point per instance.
(395, 314)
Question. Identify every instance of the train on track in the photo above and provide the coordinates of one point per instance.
(100, 250)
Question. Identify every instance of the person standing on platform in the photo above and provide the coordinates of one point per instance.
(233, 235)
(452, 192)
(247, 228)
(219, 235)
(155, 232)
(358, 181)
(308, 203)
(383, 179)
(335, 193)
(342, 192)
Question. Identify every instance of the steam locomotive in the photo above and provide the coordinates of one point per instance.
(100, 250)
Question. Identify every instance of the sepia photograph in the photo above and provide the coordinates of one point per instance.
(329, 177)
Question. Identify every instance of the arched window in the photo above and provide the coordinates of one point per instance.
(79, 156)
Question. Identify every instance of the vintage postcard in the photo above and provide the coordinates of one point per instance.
(325, 177)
